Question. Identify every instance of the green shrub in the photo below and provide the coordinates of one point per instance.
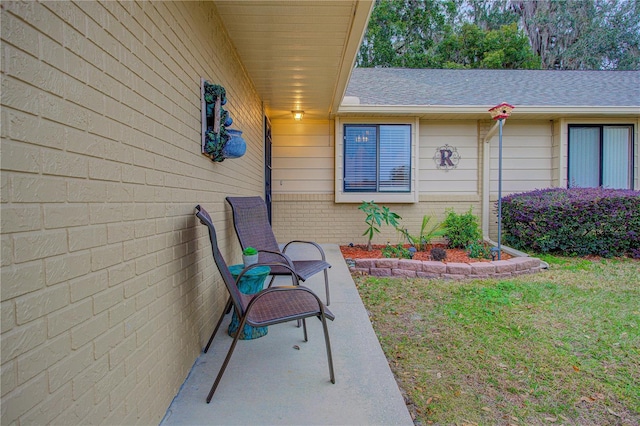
(397, 251)
(479, 250)
(575, 221)
(427, 233)
(461, 229)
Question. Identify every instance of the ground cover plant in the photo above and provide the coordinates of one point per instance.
(557, 347)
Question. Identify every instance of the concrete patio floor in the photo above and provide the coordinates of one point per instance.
(279, 379)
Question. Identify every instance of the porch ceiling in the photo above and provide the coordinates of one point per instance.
(299, 54)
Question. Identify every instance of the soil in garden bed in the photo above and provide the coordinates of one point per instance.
(453, 255)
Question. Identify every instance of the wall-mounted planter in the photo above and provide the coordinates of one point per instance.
(218, 141)
(235, 146)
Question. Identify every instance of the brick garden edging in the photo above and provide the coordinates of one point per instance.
(455, 270)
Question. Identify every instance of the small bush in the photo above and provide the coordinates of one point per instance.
(438, 254)
(461, 229)
(397, 251)
(426, 233)
(479, 250)
(575, 221)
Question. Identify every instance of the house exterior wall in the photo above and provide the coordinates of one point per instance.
(534, 157)
(302, 157)
(527, 161)
(108, 286)
(462, 180)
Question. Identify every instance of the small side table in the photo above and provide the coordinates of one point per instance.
(250, 283)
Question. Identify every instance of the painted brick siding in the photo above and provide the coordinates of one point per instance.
(318, 218)
(108, 287)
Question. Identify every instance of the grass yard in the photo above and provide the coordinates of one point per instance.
(558, 347)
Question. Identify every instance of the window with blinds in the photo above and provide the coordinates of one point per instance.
(377, 158)
(601, 155)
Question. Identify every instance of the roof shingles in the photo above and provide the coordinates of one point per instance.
(400, 86)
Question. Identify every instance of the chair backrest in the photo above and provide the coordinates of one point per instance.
(236, 297)
(252, 224)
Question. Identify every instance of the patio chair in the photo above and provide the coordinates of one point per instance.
(253, 229)
(273, 305)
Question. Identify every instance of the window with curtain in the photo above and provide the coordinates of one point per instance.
(601, 155)
(377, 158)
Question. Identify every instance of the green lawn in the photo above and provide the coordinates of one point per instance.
(558, 347)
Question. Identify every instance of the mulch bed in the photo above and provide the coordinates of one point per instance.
(453, 255)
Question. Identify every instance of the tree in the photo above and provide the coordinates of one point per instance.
(420, 34)
(564, 34)
(490, 14)
(505, 48)
(402, 33)
(583, 34)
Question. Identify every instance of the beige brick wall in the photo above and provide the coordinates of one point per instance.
(108, 287)
(318, 218)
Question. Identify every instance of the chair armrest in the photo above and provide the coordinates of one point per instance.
(294, 276)
(287, 259)
(316, 245)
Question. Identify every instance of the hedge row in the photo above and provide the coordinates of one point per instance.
(575, 221)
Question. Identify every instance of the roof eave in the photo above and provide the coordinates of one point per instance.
(361, 15)
(483, 110)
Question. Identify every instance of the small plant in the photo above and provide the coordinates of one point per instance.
(479, 250)
(397, 251)
(438, 254)
(421, 241)
(249, 256)
(249, 251)
(461, 229)
(375, 217)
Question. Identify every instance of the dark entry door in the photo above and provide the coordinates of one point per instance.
(267, 165)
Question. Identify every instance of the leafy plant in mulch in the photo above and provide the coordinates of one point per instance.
(574, 221)
(397, 251)
(479, 250)
(376, 216)
(427, 233)
(461, 229)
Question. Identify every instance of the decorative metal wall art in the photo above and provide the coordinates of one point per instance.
(446, 157)
(218, 140)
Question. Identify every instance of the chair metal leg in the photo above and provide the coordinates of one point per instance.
(326, 286)
(304, 327)
(273, 277)
(328, 345)
(226, 360)
(226, 310)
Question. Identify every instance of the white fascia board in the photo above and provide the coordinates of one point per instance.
(484, 109)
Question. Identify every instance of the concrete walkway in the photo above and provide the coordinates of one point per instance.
(279, 379)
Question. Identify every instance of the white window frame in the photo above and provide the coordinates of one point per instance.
(378, 197)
